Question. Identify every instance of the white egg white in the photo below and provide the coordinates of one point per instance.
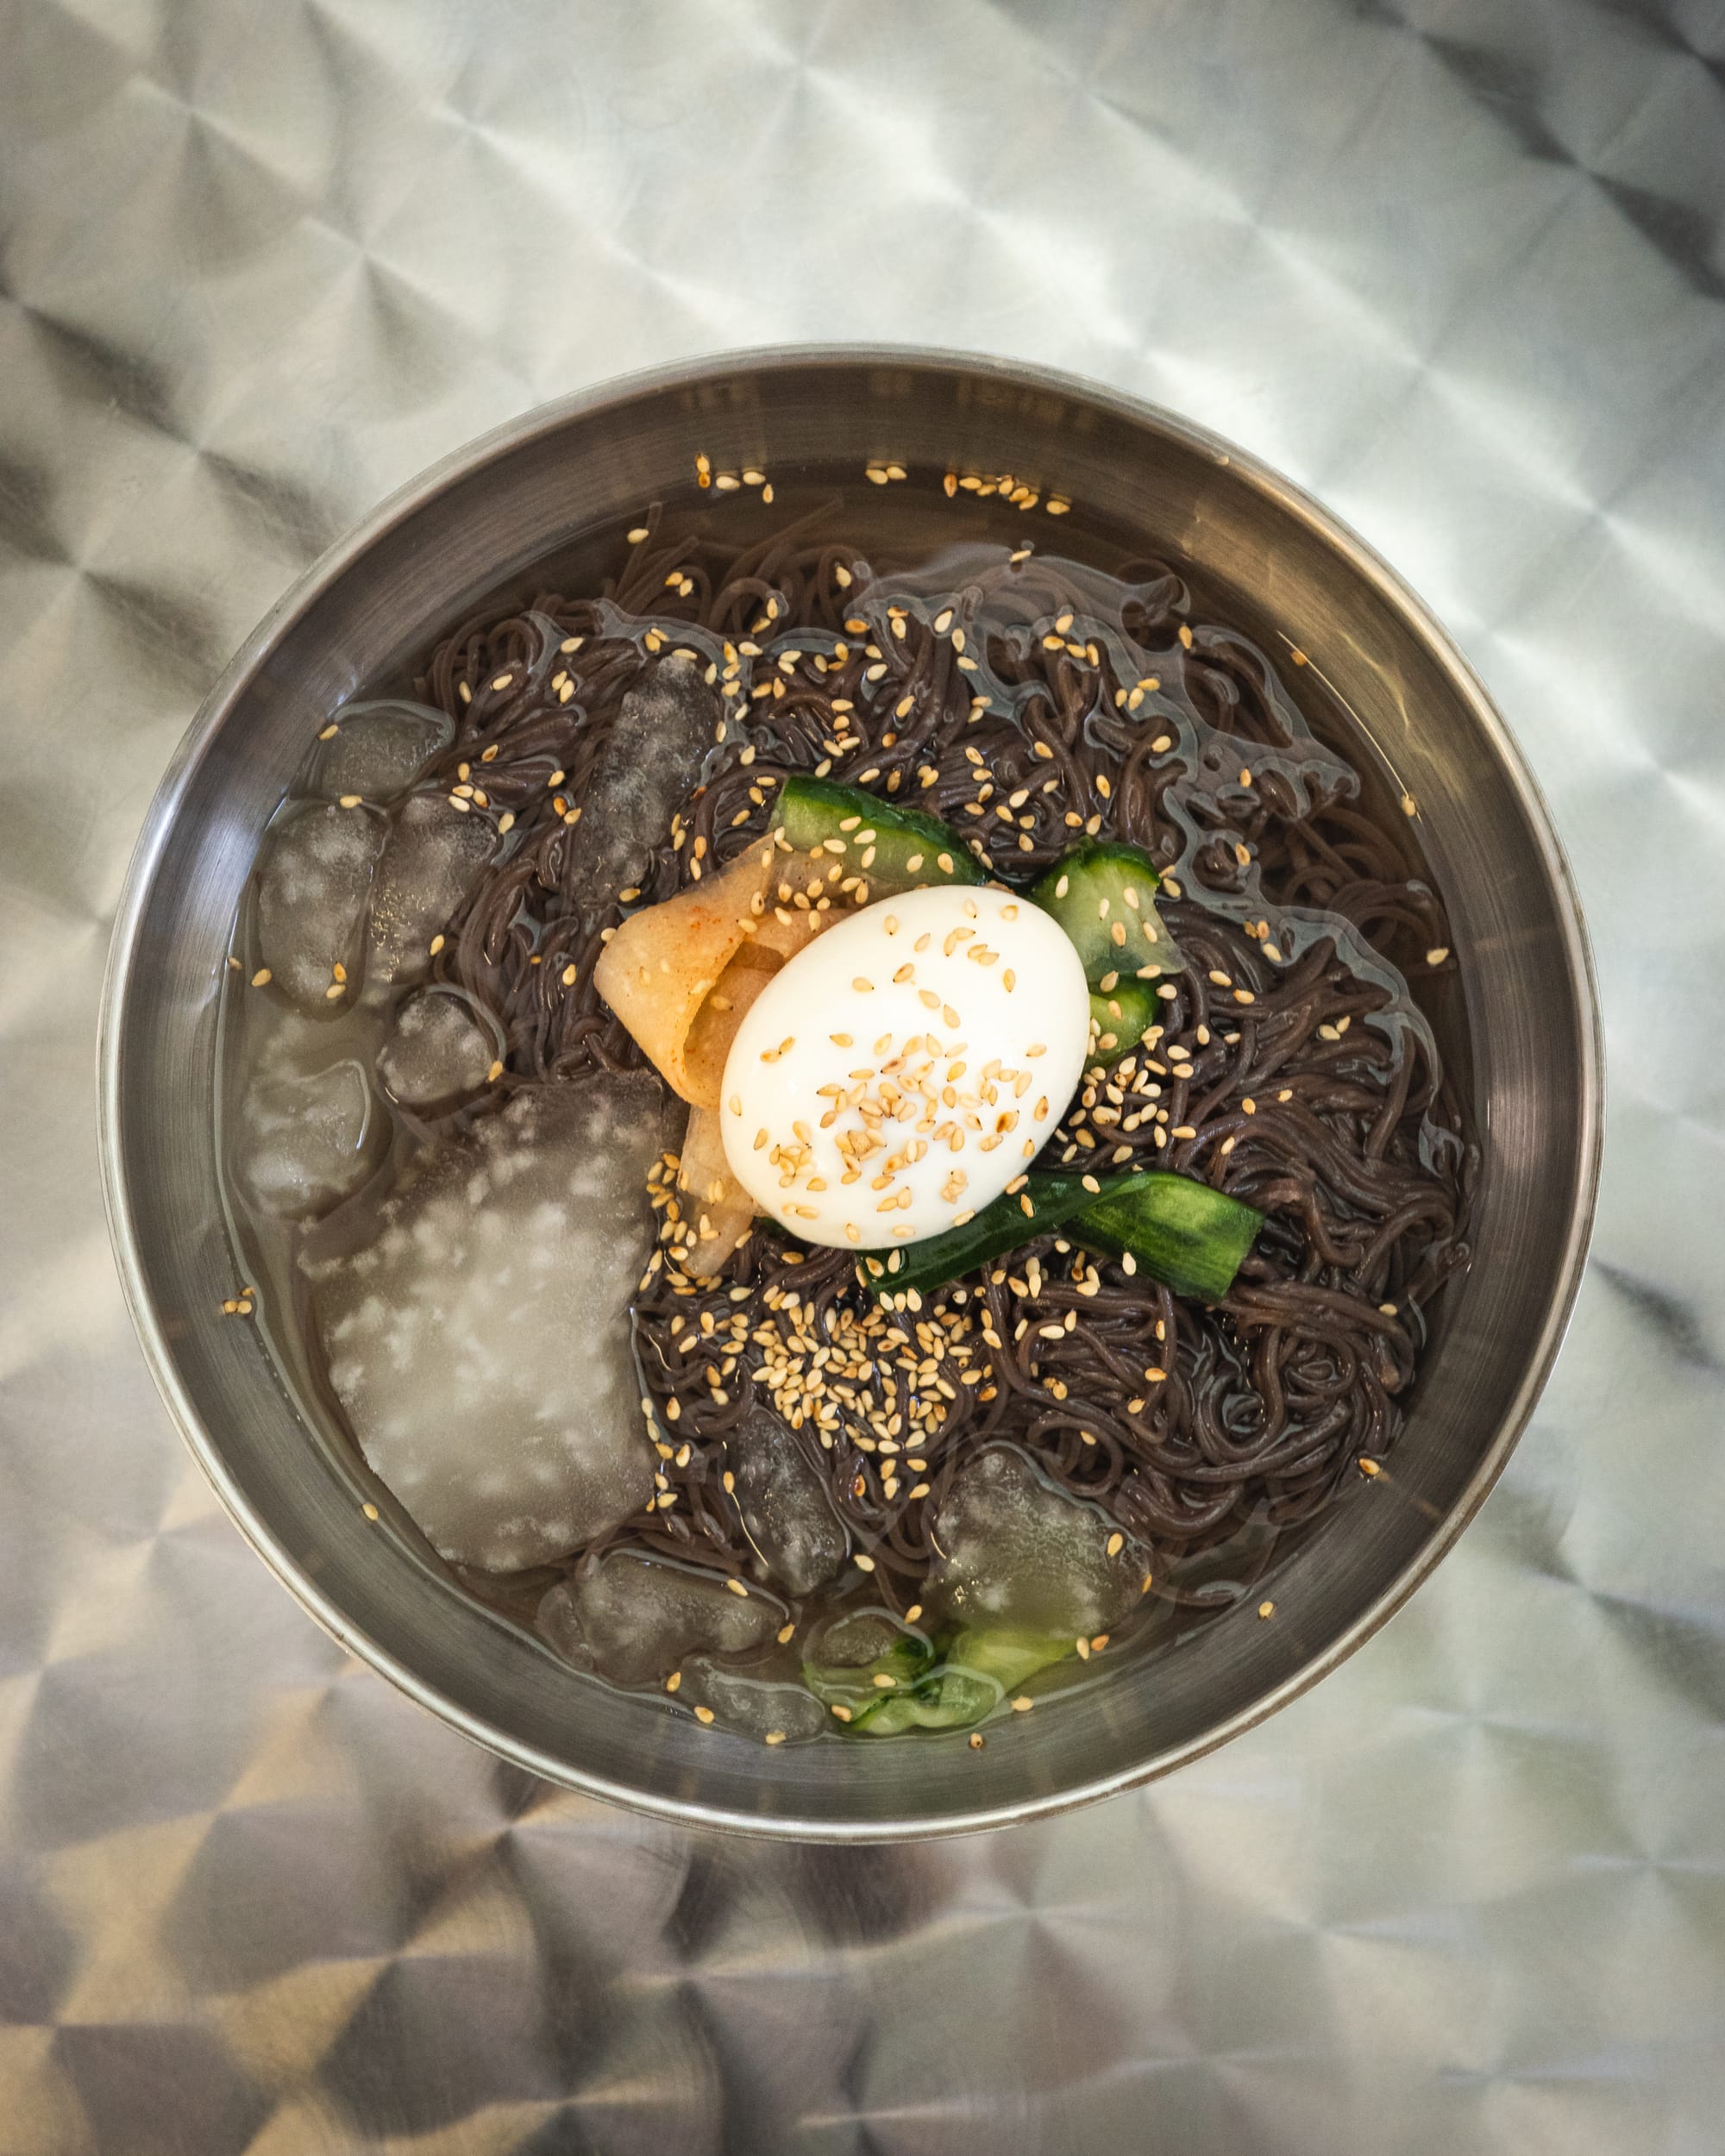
(905, 1068)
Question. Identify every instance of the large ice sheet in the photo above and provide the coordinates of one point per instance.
(478, 1336)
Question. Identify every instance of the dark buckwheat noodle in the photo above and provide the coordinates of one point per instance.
(1310, 1084)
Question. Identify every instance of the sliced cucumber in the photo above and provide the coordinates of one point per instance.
(1179, 1231)
(1123, 1013)
(1103, 895)
(979, 1669)
(1044, 1201)
(895, 848)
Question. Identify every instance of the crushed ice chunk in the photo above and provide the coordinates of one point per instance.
(852, 1639)
(304, 1141)
(755, 1701)
(648, 768)
(785, 1509)
(632, 1618)
(1020, 1552)
(439, 1050)
(379, 749)
(312, 892)
(476, 1330)
(432, 855)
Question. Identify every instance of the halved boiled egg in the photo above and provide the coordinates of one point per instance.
(900, 1071)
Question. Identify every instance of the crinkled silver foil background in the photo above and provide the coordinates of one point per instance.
(1457, 266)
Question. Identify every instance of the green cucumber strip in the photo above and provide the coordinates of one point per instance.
(980, 1668)
(1124, 1014)
(852, 1686)
(1098, 888)
(1179, 1231)
(1001, 1225)
(947, 1698)
(1008, 1657)
(896, 849)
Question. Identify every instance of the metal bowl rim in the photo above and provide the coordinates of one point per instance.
(464, 463)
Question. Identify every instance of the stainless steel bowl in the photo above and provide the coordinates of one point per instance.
(530, 490)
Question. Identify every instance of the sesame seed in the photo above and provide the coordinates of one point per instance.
(1437, 956)
(1266, 1609)
(260, 979)
(1022, 1706)
(1369, 1467)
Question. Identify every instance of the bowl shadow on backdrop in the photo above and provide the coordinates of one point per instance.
(1140, 481)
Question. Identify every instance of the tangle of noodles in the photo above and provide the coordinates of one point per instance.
(1309, 1087)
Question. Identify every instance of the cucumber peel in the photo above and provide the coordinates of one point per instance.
(895, 848)
(1179, 1231)
(1122, 1014)
(1103, 895)
(978, 1669)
